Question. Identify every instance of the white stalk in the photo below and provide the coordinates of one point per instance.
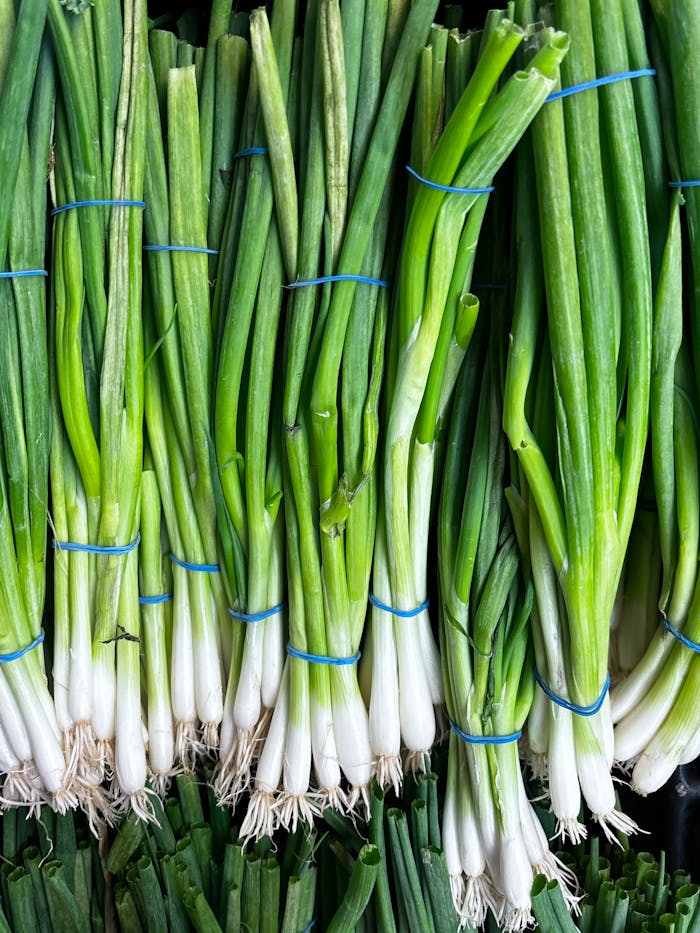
(26, 681)
(477, 896)
(325, 756)
(542, 860)
(472, 853)
(660, 757)
(384, 719)
(422, 467)
(277, 754)
(595, 778)
(129, 746)
(533, 835)
(161, 738)
(12, 723)
(8, 759)
(182, 689)
(607, 731)
(514, 868)
(450, 833)
(632, 691)
(431, 658)
(62, 636)
(538, 732)
(228, 733)
(104, 691)
(351, 727)
(654, 767)
(415, 700)
(476, 757)
(640, 725)
(260, 674)
(296, 801)
(260, 819)
(209, 694)
(274, 652)
(561, 761)
(538, 717)
(80, 613)
(563, 784)
(247, 706)
(80, 692)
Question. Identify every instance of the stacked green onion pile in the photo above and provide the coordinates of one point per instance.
(336, 314)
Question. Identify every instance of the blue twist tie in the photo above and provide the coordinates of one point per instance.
(600, 82)
(694, 646)
(100, 202)
(694, 183)
(157, 248)
(253, 150)
(449, 188)
(194, 568)
(22, 274)
(116, 549)
(339, 278)
(484, 739)
(20, 653)
(154, 600)
(572, 707)
(401, 613)
(321, 658)
(255, 616)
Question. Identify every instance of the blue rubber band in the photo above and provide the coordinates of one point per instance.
(484, 739)
(694, 646)
(157, 248)
(116, 549)
(194, 568)
(449, 188)
(401, 613)
(16, 655)
(255, 616)
(309, 927)
(322, 658)
(100, 202)
(600, 82)
(155, 600)
(572, 707)
(22, 273)
(694, 183)
(339, 278)
(486, 286)
(253, 150)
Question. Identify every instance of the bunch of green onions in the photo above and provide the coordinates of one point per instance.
(334, 223)
(433, 325)
(31, 754)
(96, 351)
(578, 422)
(248, 304)
(656, 722)
(494, 844)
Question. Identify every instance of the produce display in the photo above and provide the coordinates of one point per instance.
(349, 462)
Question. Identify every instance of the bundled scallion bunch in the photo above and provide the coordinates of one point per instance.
(657, 725)
(577, 388)
(431, 331)
(31, 753)
(96, 351)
